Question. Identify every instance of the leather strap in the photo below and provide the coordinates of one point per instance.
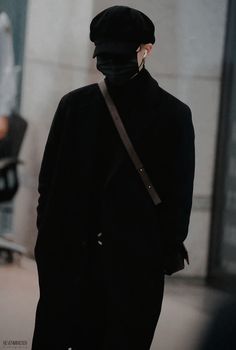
(127, 143)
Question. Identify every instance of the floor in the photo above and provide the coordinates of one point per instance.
(186, 310)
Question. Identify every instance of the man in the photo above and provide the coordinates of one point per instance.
(7, 73)
(102, 244)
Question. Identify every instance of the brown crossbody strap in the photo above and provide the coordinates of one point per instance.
(127, 143)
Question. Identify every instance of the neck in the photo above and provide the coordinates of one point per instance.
(142, 65)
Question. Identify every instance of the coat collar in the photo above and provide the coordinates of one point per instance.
(136, 102)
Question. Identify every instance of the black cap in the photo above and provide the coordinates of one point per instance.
(120, 30)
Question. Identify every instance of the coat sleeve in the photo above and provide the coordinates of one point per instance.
(178, 203)
(49, 159)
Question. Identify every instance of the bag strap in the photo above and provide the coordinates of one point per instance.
(127, 143)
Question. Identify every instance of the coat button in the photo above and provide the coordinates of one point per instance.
(99, 236)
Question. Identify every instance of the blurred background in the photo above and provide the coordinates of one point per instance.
(193, 58)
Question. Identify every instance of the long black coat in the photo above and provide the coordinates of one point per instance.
(88, 185)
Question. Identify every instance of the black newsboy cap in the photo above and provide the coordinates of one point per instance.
(120, 30)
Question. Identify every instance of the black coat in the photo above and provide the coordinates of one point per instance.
(88, 184)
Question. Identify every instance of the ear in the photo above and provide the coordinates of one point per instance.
(148, 47)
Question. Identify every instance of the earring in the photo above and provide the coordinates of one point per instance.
(145, 54)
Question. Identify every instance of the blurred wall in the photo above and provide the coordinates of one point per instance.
(17, 12)
(186, 61)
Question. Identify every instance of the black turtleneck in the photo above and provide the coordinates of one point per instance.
(133, 94)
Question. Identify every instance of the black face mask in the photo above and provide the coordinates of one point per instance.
(118, 69)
